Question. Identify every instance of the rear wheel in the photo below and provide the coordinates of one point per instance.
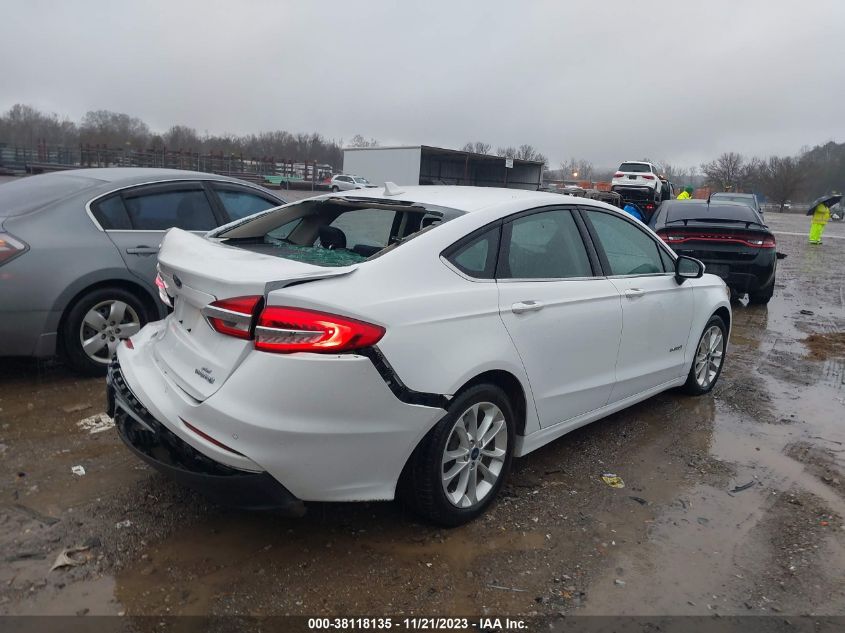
(708, 358)
(763, 297)
(96, 324)
(335, 188)
(462, 463)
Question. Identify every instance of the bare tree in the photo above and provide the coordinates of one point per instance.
(182, 137)
(506, 152)
(779, 178)
(577, 168)
(477, 148)
(360, 141)
(726, 173)
(25, 125)
(114, 129)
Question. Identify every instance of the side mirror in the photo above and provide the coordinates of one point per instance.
(781, 255)
(687, 268)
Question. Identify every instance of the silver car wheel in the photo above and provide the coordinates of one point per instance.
(104, 326)
(708, 356)
(474, 455)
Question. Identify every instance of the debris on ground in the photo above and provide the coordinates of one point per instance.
(807, 312)
(743, 486)
(64, 558)
(506, 588)
(619, 583)
(123, 524)
(96, 423)
(639, 500)
(78, 470)
(613, 480)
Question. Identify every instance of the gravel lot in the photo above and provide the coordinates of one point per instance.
(685, 535)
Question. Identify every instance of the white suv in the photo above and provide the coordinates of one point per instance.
(406, 343)
(346, 182)
(637, 181)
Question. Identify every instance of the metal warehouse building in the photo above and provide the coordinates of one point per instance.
(426, 165)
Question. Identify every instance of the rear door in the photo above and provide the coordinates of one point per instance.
(656, 310)
(564, 318)
(141, 215)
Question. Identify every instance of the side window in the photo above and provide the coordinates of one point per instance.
(111, 214)
(477, 258)
(187, 209)
(629, 250)
(545, 245)
(668, 262)
(239, 203)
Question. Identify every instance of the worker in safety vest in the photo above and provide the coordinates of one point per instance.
(821, 215)
(686, 194)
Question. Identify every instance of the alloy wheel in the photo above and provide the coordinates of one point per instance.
(474, 455)
(104, 326)
(708, 356)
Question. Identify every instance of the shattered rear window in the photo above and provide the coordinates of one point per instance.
(316, 255)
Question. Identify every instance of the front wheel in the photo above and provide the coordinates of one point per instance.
(335, 188)
(95, 325)
(462, 463)
(708, 359)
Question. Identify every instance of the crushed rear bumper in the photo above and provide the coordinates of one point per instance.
(162, 449)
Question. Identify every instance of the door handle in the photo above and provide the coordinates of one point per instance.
(142, 250)
(526, 306)
(634, 293)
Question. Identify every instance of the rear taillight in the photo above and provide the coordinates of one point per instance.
(647, 176)
(618, 174)
(10, 247)
(162, 291)
(234, 316)
(753, 240)
(286, 330)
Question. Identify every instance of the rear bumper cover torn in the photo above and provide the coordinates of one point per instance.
(159, 447)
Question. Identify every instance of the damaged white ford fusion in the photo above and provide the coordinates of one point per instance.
(375, 344)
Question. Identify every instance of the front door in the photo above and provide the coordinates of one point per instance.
(656, 310)
(564, 320)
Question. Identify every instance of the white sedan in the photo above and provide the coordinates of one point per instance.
(374, 344)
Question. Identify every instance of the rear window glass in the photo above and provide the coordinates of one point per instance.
(712, 211)
(639, 168)
(332, 234)
(33, 192)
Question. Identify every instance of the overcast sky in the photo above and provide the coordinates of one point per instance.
(603, 80)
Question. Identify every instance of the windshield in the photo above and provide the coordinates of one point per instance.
(640, 168)
(334, 233)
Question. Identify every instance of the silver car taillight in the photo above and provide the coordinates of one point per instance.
(11, 247)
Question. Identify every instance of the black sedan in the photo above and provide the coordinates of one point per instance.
(729, 237)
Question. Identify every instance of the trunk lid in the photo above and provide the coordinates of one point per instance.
(199, 271)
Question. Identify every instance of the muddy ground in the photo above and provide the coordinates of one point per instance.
(734, 503)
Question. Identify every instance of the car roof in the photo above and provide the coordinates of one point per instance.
(462, 198)
(731, 194)
(133, 175)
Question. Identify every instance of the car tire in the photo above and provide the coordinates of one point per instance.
(335, 188)
(763, 297)
(455, 501)
(89, 315)
(708, 358)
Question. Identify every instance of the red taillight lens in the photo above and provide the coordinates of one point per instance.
(618, 174)
(10, 247)
(754, 240)
(232, 317)
(647, 176)
(162, 291)
(287, 330)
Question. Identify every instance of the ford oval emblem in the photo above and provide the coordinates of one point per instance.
(177, 281)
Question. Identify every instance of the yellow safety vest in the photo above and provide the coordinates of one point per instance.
(821, 214)
(684, 196)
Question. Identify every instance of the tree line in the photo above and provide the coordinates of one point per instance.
(26, 126)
